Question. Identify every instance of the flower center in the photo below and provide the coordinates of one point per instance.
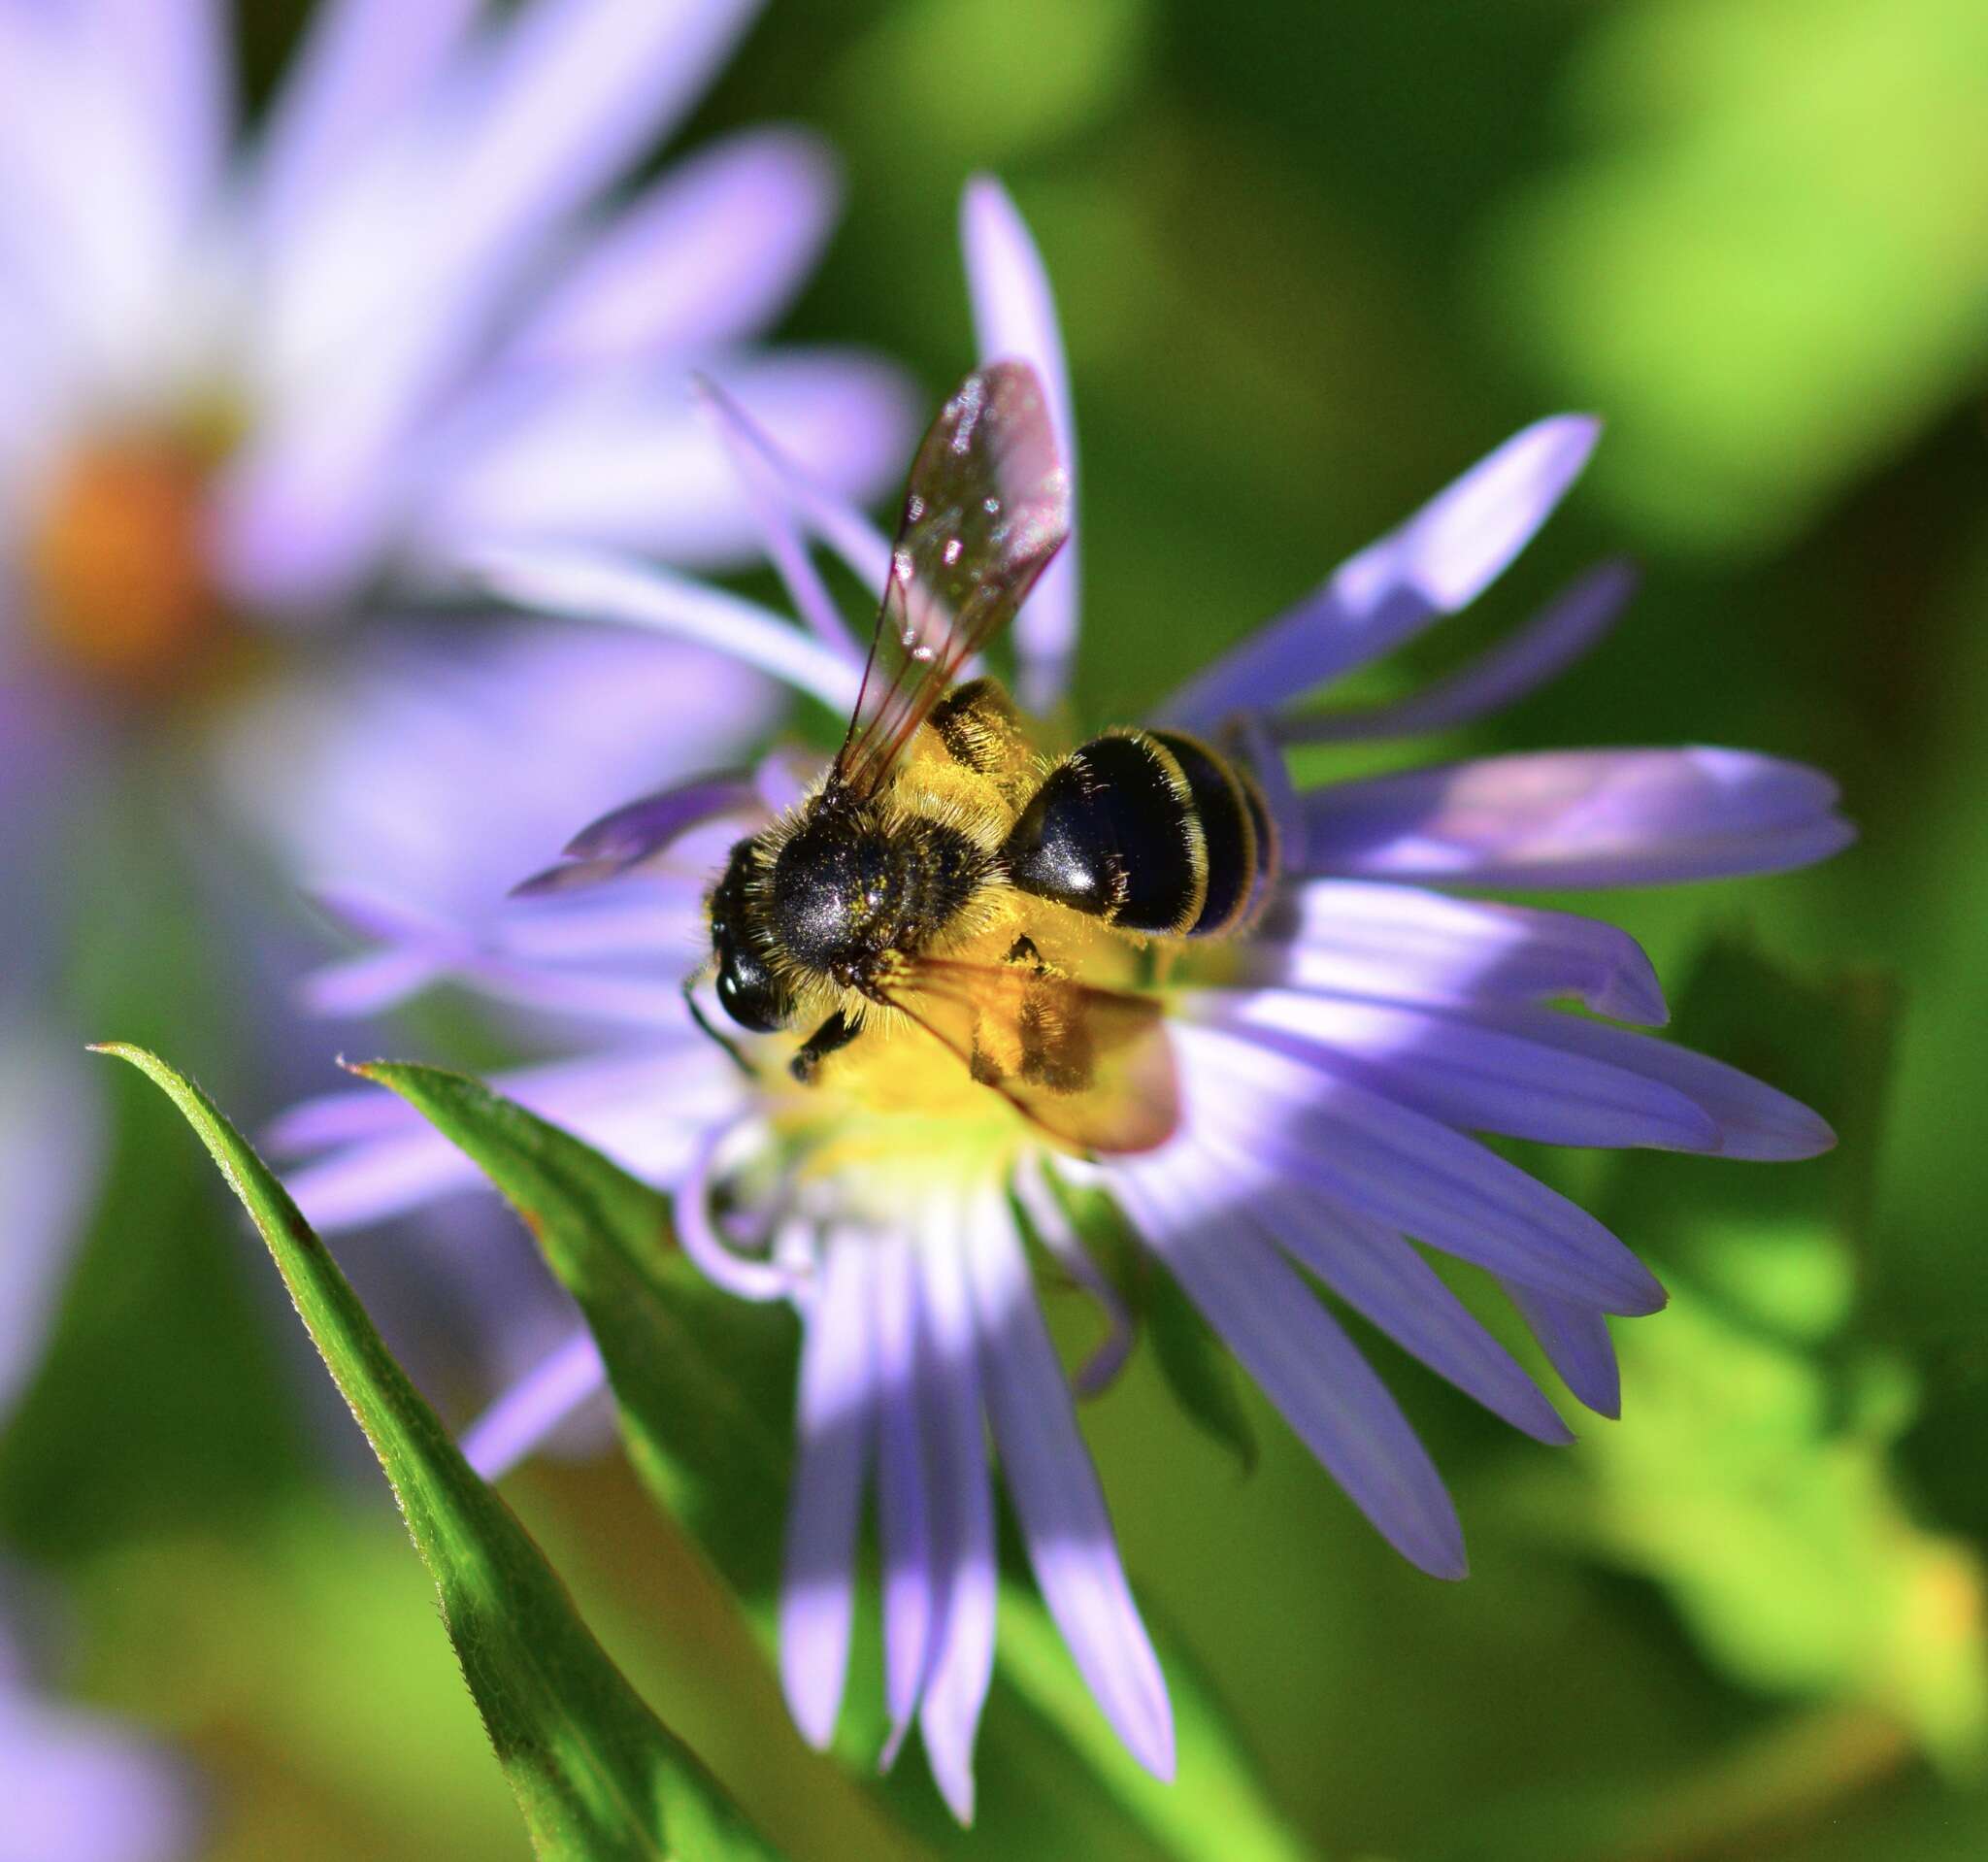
(118, 575)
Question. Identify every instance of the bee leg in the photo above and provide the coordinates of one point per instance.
(697, 1016)
(838, 1031)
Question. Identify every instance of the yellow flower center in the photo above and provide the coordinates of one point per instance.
(119, 573)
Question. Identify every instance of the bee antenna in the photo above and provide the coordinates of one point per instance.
(697, 1016)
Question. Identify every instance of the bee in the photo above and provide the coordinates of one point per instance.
(941, 873)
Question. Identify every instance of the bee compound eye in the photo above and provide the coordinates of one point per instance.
(752, 996)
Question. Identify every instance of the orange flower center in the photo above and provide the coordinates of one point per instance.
(118, 567)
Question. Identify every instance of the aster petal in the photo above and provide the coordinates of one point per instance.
(645, 1109)
(1305, 1364)
(1570, 626)
(1406, 944)
(77, 1787)
(372, 315)
(51, 1143)
(1577, 818)
(638, 831)
(823, 511)
(1014, 315)
(1057, 1499)
(834, 1430)
(1281, 1120)
(1470, 1075)
(572, 92)
(170, 64)
(709, 255)
(781, 538)
(99, 165)
(1058, 1233)
(403, 763)
(903, 1504)
(1382, 1276)
(962, 1514)
(362, 65)
(1435, 563)
(699, 1227)
(535, 1406)
(1755, 1122)
(1576, 1343)
(598, 584)
(638, 828)
(622, 458)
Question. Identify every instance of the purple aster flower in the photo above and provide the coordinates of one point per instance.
(251, 389)
(1336, 1067)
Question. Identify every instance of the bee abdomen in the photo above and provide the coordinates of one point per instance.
(1235, 825)
(1113, 832)
(1149, 830)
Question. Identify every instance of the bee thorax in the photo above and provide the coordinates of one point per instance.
(846, 889)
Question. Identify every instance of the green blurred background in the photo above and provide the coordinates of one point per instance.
(1312, 260)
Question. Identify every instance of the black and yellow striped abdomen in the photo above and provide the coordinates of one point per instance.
(1151, 831)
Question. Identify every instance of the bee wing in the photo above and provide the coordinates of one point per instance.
(987, 506)
(1091, 1067)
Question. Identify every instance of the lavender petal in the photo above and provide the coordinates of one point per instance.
(52, 1150)
(168, 66)
(1401, 942)
(910, 1581)
(709, 255)
(1754, 1120)
(832, 1433)
(645, 1109)
(1471, 1076)
(1305, 1366)
(534, 1407)
(79, 1788)
(1577, 818)
(636, 829)
(593, 585)
(1058, 1233)
(1382, 1276)
(1570, 626)
(1435, 563)
(1014, 316)
(622, 460)
(961, 1513)
(764, 489)
(1057, 1499)
(1279, 1119)
(363, 65)
(1576, 1343)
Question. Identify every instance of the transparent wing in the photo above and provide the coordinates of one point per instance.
(1091, 1067)
(988, 507)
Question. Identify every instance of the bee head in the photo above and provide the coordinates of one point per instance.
(748, 989)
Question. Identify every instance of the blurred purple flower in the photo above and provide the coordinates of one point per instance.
(250, 391)
(1336, 1070)
(78, 1788)
(74, 1786)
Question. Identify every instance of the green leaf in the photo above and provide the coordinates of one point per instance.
(703, 1382)
(697, 1374)
(1199, 1374)
(1218, 1810)
(597, 1776)
(1752, 1475)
